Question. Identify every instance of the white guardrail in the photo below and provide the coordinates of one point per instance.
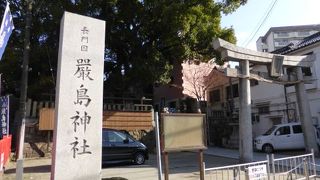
(295, 167)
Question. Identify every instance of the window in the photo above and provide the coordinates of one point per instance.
(110, 136)
(303, 33)
(116, 137)
(306, 71)
(282, 34)
(289, 71)
(297, 129)
(263, 108)
(276, 120)
(283, 131)
(270, 130)
(281, 42)
(255, 118)
(235, 91)
(215, 95)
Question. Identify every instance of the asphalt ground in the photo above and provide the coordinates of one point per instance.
(182, 165)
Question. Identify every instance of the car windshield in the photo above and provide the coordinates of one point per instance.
(124, 136)
(269, 131)
(116, 136)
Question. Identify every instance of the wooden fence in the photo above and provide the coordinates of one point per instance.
(128, 120)
(115, 116)
(127, 107)
(111, 119)
(46, 119)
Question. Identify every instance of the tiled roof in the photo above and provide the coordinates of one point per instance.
(303, 43)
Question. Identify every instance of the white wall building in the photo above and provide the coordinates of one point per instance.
(268, 105)
(283, 103)
(308, 46)
(278, 37)
(271, 103)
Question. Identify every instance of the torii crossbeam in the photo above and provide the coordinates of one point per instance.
(231, 52)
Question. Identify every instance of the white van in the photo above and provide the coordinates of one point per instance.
(282, 136)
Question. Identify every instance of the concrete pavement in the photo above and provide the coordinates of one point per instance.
(182, 165)
(234, 153)
(257, 156)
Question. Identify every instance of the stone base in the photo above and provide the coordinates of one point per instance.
(39, 149)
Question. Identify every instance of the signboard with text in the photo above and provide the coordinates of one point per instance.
(257, 172)
(4, 104)
(183, 131)
(79, 94)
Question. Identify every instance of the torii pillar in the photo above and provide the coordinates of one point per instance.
(245, 125)
(231, 52)
(305, 113)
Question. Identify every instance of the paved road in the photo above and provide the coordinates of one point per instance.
(182, 166)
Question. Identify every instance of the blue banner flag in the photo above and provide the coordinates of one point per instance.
(5, 29)
(4, 115)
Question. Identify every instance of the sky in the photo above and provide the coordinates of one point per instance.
(248, 18)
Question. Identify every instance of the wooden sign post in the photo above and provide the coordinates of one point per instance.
(183, 132)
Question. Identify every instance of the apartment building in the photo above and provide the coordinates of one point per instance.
(278, 37)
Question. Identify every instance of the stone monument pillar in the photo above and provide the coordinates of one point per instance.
(79, 93)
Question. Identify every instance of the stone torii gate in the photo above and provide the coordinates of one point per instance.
(230, 52)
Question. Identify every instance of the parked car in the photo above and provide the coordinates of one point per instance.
(119, 146)
(282, 136)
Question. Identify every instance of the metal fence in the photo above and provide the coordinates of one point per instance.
(295, 167)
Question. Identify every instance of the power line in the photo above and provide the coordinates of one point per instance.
(246, 42)
(252, 35)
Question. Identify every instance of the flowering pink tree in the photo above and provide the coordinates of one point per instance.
(194, 80)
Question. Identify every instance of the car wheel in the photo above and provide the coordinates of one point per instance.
(139, 158)
(267, 148)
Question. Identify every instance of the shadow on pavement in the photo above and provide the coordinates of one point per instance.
(179, 162)
(33, 169)
(128, 164)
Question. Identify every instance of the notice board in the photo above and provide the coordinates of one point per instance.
(183, 132)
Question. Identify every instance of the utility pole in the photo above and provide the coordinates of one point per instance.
(23, 90)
